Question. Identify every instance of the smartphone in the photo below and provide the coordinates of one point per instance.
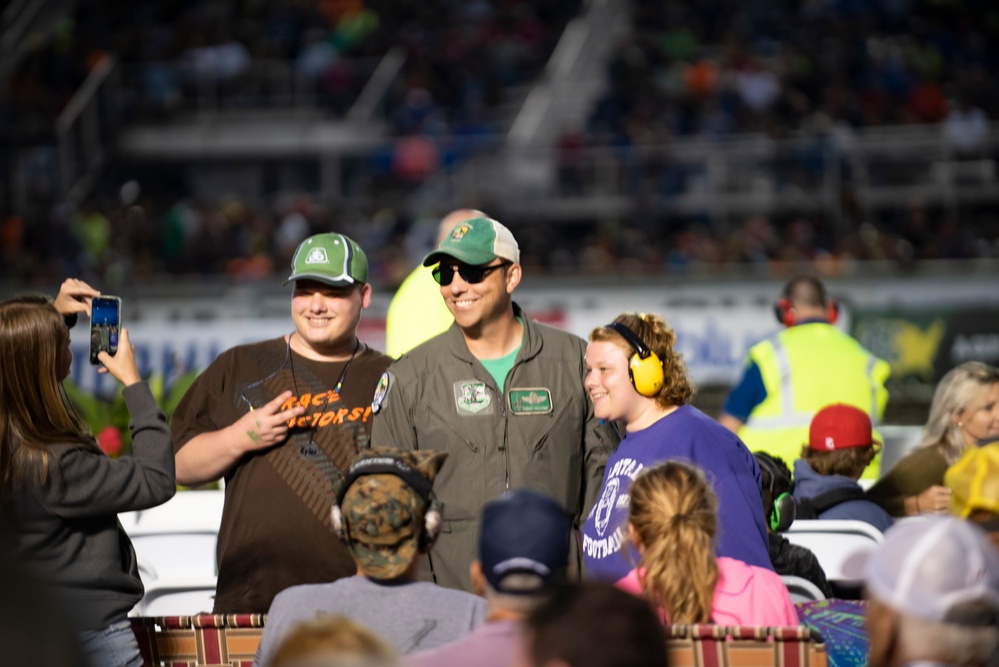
(105, 323)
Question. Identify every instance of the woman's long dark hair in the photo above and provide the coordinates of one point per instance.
(34, 409)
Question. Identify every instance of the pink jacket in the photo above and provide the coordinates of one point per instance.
(745, 595)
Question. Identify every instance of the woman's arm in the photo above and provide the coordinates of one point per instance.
(87, 483)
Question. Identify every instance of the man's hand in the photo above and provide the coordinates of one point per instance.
(74, 297)
(267, 426)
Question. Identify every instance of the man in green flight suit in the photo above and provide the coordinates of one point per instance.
(501, 394)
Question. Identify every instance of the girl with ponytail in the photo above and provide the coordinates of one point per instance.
(673, 522)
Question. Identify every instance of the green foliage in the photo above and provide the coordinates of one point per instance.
(101, 413)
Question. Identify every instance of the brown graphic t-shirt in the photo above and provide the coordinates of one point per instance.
(276, 529)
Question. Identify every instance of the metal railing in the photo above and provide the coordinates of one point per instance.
(162, 89)
(739, 176)
(85, 130)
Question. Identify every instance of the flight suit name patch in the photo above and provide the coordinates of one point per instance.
(530, 401)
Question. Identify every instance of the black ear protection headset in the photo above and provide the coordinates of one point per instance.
(433, 510)
(785, 312)
(783, 508)
(644, 367)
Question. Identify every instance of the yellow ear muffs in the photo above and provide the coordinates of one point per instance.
(644, 367)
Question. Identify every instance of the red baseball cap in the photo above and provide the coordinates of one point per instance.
(839, 426)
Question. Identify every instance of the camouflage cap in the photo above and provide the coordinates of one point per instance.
(382, 513)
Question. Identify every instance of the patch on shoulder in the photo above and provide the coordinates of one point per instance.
(385, 383)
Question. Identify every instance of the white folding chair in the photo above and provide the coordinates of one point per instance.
(801, 589)
(842, 547)
(175, 553)
(200, 510)
(177, 538)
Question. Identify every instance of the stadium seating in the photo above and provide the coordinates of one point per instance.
(842, 547)
(175, 547)
(801, 589)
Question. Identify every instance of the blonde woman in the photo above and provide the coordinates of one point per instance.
(637, 379)
(673, 522)
(60, 491)
(333, 641)
(964, 412)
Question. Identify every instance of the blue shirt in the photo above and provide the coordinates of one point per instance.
(746, 395)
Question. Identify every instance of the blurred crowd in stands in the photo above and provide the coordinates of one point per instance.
(781, 67)
(460, 56)
(140, 237)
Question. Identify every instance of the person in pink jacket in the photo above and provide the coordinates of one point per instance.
(673, 523)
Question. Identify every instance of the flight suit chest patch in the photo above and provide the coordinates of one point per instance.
(472, 397)
(530, 400)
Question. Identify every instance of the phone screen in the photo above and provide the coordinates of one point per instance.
(105, 323)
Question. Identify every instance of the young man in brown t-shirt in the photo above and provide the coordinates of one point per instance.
(281, 420)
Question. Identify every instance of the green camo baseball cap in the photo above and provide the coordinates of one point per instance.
(333, 259)
(383, 514)
(476, 241)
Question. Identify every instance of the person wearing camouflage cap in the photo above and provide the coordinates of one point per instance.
(281, 420)
(503, 395)
(387, 516)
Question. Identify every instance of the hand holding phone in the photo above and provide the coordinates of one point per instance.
(122, 365)
(105, 326)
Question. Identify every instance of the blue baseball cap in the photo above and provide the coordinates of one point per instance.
(524, 542)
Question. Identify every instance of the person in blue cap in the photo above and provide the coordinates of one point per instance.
(523, 556)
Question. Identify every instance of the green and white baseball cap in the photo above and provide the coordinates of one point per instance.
(476, 241)
(333, 259)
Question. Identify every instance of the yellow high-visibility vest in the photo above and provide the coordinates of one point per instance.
(417, 313)
(805, 368)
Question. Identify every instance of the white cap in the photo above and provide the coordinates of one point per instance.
(941, 569)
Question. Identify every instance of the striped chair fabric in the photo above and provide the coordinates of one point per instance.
(218, 640)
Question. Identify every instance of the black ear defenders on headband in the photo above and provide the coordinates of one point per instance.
(644, 367)
(783, 509)
(433, 511)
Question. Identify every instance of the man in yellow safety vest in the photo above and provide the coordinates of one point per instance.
(795, 373)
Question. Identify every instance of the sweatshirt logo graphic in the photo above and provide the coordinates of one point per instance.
(606, 505)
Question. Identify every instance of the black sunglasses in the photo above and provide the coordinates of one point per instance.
(472, 274)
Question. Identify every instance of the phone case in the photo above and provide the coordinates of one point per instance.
(105, 323)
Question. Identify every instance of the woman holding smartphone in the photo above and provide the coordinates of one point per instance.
(60, 492)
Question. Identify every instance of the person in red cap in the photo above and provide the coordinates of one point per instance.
(840, 446)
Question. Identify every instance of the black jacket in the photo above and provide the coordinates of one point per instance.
(67, 528)
(798, 561)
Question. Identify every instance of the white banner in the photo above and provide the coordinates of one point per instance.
(169, 348)
(714, 340)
